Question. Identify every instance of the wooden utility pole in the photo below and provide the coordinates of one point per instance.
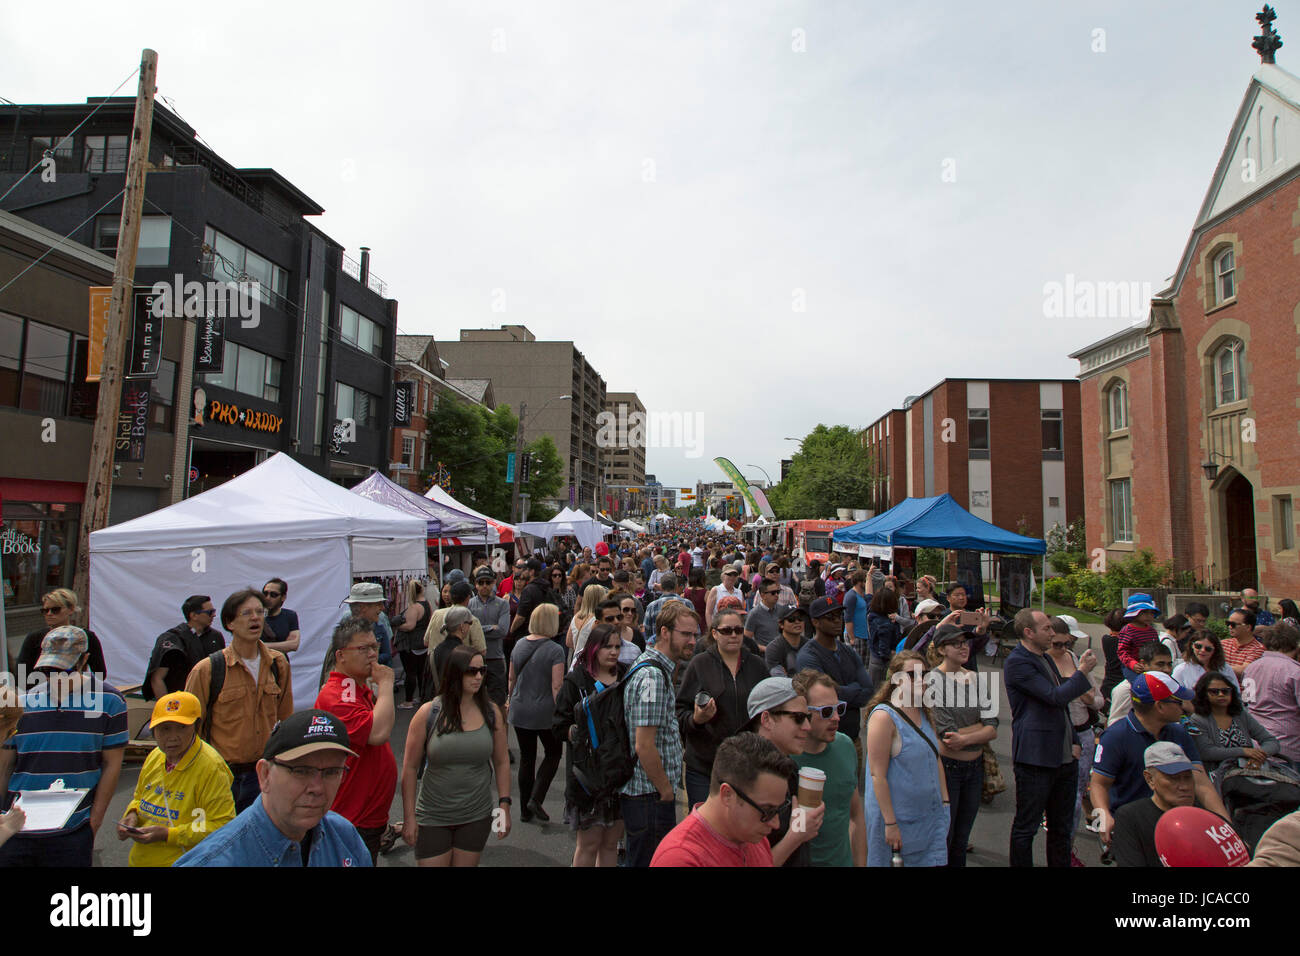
(99, 475)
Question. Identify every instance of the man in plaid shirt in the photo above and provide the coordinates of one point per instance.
(649, 801)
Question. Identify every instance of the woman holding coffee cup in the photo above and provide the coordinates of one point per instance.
(907, 803)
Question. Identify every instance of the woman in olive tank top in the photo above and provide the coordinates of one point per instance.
(449, 820)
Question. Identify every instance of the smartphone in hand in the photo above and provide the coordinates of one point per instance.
(969, 618)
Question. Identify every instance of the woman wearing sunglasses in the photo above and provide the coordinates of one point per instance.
(1227, 732)
(907, 803)
(462, 736)
(1203, 655)
(725, 673)
(963, 731)
(58, 609)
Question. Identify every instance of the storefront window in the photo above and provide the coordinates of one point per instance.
(36, 541)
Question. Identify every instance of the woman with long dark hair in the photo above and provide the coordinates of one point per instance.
(1228, 732)
(1203, 655)
(597, 823)
(462, 736)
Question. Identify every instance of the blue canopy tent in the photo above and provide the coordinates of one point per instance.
(937, 522)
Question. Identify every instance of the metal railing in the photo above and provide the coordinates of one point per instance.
(375, 284)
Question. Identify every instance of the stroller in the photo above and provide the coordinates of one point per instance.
(1256, 799)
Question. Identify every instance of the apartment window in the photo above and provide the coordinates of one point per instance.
(408, 450)
(231, 261)
(1224, 277)
(105, 154)
(1053, 430)
(34, 366)
(1118, 402)
(977, 424)
(155, 241)
(1053, 502)
(106, 228)
(1229, 373)
(353, 403)
(249, 372)
(358, 331)
(1121, 510)
(1283, 524)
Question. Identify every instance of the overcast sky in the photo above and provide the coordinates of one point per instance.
(667, 184)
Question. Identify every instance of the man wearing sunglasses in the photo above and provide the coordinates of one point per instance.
(176, 651)
(842, 840)
(747, 794)
(779, 714)
(281, 622)
(830, 655)
(290, 823)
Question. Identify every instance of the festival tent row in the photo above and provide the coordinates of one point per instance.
(278, 519)
(443, 520)
(498, 532)
(576, 524)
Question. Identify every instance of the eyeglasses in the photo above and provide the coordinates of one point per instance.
(476, 671)
(372, 648)
(206, 610)
(688, 633)
(1062, 644)
(1238, 624)
(52, 610)
(270, 593)
(312, 774)
(800, 717)
(1202, 647)
(611, 620)
(764, 813)
(730, 631)
(1216, 691)
(249, 612)
(771, 593)
(825, 712)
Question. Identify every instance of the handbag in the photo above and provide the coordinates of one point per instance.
(994, 782)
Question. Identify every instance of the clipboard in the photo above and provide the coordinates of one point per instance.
(49, 809)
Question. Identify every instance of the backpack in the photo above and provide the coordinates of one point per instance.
(807, 590)
(217, 681)
(603, 756)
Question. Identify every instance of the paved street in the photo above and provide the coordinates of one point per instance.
(551, 844)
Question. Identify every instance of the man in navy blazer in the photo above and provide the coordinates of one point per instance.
(1044, 744)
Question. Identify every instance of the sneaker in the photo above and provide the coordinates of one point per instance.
(536, 809)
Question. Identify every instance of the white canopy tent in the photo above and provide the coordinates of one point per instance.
(276, 520)
(577, 524)
(627, 524)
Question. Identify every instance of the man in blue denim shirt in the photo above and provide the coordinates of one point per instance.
(290, 824)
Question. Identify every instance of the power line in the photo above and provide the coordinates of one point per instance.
(56, 245)
(70, 135)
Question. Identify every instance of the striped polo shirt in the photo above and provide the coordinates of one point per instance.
(66, 742)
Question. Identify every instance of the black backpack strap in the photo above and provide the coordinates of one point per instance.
(216, 681)
(918, 730)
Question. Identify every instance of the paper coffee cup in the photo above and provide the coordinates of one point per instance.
(811, 783)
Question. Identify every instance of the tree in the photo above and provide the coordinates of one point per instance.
(472, 443)
(831, 470)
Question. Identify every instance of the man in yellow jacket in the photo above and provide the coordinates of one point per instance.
(183, 793)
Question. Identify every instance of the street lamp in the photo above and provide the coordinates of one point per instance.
(519, 452)
(764, 471)
(1210, 468)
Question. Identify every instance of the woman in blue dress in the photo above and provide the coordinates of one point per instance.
(906, 796)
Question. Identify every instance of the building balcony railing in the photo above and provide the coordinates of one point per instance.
(375, 284)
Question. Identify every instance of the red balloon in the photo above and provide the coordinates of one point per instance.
(1190, 836)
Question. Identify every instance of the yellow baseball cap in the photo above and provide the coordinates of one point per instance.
(180, 707)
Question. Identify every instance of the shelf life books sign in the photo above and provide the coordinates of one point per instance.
(132, 421)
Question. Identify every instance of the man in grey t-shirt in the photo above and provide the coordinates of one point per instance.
(493, 613)
(763, 625)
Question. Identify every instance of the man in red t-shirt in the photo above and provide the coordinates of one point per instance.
(747, 792)
(368, 787)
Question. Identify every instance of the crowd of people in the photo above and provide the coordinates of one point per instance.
(809, 716)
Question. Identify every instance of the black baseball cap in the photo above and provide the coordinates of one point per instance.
(306, 732)
(791, 610)
(484, 574)
(822, 606)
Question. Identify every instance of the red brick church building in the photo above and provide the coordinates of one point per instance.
(1191, 421)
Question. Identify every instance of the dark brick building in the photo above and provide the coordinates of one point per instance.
(1007, 450)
